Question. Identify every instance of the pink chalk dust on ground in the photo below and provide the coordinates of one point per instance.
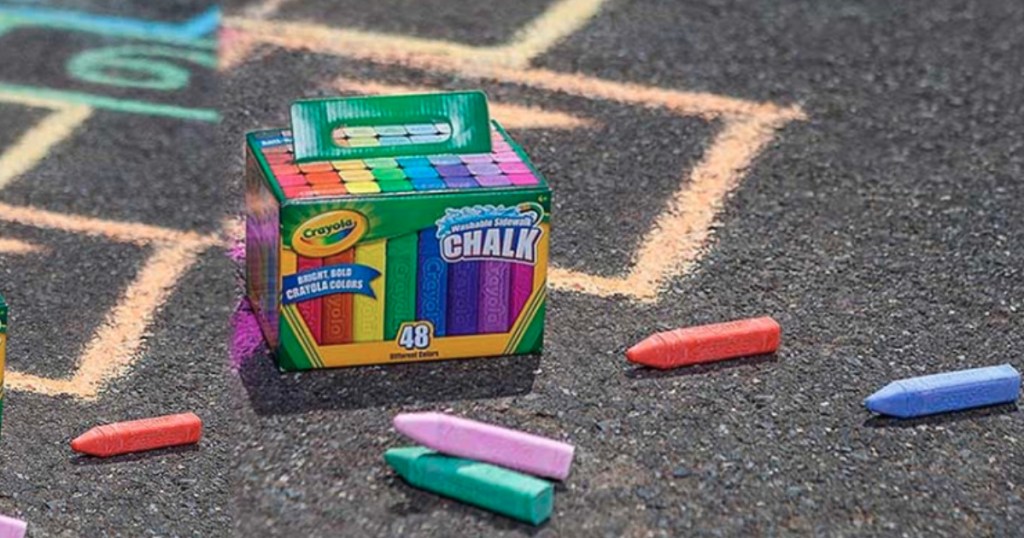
(246, 337)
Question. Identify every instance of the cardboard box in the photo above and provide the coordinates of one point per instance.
(395, 229)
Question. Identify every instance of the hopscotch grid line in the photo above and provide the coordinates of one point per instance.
(113, 104)
(683, 228)
(557, 22)
(17, 247)
(120, 231)
(117, 343)
(748, 128)
(185, 34)
(189, 32)
(116, 346)
(35, 144)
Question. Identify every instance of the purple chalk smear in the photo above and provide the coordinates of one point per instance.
(488, 443)
(237, 251)
(246, 338)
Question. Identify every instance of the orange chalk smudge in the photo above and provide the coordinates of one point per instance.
(683, 229)
(126, 232)
(559, 21)
(117, 343)
(13, 246)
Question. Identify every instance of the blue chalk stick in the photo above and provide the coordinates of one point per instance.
(413, 162)
(950, 391)
(428, 184)
(201, 25)
(463, 297)
(421, 172)
(427, 139)
(432, 283)
(394, 141)
(442, 160)
(421, 129)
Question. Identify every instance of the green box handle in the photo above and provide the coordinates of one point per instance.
(315, 120)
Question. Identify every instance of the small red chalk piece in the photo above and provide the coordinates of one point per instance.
(707, 343)
(139, 435)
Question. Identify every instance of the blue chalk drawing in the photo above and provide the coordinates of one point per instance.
(190, 31)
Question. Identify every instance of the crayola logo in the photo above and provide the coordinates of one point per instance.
(328, 234)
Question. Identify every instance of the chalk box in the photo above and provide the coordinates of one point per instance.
(395, 229)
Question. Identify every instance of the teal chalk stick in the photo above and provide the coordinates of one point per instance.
(493, 488)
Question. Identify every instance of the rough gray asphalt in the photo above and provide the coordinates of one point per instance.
(885, 234)
(118, 167)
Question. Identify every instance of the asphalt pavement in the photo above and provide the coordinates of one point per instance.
(115, 169)
(884, 232)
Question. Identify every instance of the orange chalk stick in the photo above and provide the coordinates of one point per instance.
(140, 435)
(337, 311)
(707, 343)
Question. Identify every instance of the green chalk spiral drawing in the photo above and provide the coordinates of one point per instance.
(139, 66)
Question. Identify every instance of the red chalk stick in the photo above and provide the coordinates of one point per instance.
(285, 170)
(291, 181)
(337, 311)
(296, 191)
(278, 158)
(311, 309)
(139, 435)
(707, 343)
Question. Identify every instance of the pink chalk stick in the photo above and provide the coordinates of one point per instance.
(488, 443)
(12, 528)
(521, 283)
(514, 168)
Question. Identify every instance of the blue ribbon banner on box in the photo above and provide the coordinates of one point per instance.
(321, 281)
